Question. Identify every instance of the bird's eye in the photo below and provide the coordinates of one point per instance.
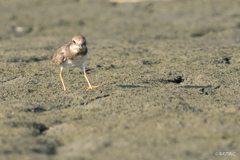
(74, 42)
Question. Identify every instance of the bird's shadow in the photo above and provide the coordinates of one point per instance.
(89, 69)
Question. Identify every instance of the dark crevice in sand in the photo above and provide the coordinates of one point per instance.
(203, 91)
(86, 100)
(110, 66)
(39, 126)
(217, 87)
(197, 34)
(48, 150)
(89, 69)
(27, 60)
(97, 97)
(177, 80)
(8, 152)
(227, 60)
(35, 110)
(203, 87)
(129, 86)
(106, 95)
(29, 49)
(146, 62)
(186, 107)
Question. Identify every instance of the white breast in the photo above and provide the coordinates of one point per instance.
(76, 62)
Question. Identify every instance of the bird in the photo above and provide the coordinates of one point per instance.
(73, 55)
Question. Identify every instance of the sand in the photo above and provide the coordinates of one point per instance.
(167, 71)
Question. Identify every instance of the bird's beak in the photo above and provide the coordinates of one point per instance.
(81, 46)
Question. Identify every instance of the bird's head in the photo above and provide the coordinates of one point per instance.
(78, 43)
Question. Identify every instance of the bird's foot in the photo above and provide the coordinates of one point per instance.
(91, 87)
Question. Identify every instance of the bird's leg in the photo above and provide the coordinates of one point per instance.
(90, 86)
(61, 77)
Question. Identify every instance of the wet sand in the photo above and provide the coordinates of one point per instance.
(167, 71)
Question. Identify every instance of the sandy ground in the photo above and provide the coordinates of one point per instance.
(167, 71)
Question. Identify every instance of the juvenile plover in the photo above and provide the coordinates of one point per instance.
(72, 55)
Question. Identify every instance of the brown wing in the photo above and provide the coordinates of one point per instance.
(59, 56)
(65, 53)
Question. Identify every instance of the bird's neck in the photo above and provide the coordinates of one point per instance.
(74, 50)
